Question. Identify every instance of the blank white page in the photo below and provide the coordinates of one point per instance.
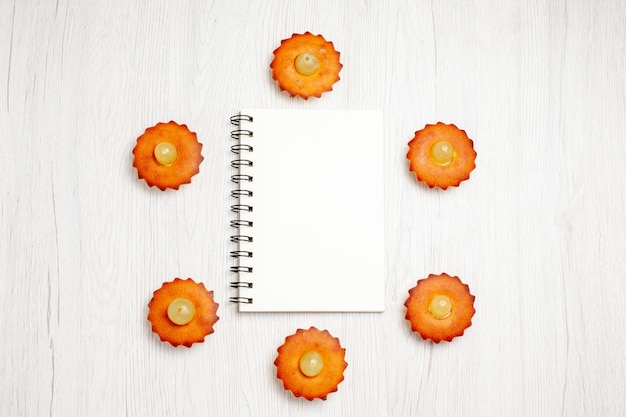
(318, 211)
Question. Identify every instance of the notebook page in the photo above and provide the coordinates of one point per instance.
(318, 234)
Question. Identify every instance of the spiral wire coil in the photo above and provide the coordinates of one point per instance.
(242, 206)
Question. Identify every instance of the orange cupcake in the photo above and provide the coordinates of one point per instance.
(311, 363)
(441, 155)
(440, 307)
(182, 312)
(306, 65)
(167, 155)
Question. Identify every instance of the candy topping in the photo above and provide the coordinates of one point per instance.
(307, 63)
(311, 364)
(442, 152)
(440, 307)
(181, 311)
(165, 153)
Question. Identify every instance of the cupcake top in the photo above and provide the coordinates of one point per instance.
(182, 312)
(311, 363)
(306, 65)
(440, 307)
(167, 155)
(441, 155)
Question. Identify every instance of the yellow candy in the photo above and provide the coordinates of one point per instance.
(440, 307)
(307, 63)
(181, 311)
(311, 364)
(165, 153)
(442, 152)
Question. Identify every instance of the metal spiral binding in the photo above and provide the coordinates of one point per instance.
(241, 208)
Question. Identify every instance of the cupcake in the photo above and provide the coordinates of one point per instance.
(311, 363)
(306, 65)
(441, 155)
(440, 307)
(182, 312)
(167, 155)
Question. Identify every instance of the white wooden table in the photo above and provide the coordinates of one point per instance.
(538, 232)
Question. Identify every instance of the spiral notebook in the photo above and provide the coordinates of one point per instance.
(308, 211)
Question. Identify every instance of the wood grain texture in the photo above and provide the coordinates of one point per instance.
(538, 232)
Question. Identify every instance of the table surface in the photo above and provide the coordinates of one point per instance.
(538, 232)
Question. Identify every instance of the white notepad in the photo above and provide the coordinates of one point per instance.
(308, 228)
